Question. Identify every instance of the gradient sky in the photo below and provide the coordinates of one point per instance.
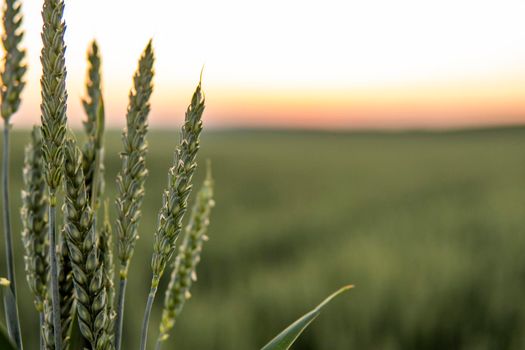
(323, 63)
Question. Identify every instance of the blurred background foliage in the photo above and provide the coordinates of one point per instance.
(428, 226)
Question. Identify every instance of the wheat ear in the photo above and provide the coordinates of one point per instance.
(188, 257)
(175, 199)
(14, 69)
(34, 223)
(132, 175)
(88, 271)
(34, 220)
(93, 150)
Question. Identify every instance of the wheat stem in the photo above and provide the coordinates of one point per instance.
(42, 318)
(175, 198)
(119, 320)
(132, 176)
(11, 87)
(147, 314)
(53, 108)
(11, 308)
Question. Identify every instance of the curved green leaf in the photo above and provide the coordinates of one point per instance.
(287, 337)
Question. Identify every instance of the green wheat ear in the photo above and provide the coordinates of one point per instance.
(34, 220)
(54, 95)
(14, 69)
(88, 279)
(175, 199)
(131, 178)
(184, 269)
(93, 150)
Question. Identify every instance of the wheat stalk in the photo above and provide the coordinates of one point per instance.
(90, 291)
(175, 199)
(188, 257)
(12, 84)
(53, 109)
(132, 176)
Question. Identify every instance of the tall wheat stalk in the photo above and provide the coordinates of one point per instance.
(12, 84)
(175, 199)
(53, 109)
(132, 176)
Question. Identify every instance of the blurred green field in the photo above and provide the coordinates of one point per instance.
(430, 227)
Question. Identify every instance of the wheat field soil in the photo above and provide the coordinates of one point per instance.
(430, 227)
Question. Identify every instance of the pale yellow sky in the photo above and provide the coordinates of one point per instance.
(300, 63)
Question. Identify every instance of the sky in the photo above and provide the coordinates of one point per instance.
(308, 64)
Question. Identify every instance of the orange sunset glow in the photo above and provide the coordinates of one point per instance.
(306, 64)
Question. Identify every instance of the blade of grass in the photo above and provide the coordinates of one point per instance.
(286, 338)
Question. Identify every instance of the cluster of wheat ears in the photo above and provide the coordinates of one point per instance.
(69, 261)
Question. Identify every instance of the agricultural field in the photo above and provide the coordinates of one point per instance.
(430, 227)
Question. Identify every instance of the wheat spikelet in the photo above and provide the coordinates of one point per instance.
(88, 271)
(34, 220)
(13, 70)
(184, 270)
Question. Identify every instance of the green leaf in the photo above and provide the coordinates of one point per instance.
(287, 337)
